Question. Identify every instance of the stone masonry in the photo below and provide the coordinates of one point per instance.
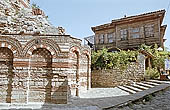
(116, 77)
(38, 62)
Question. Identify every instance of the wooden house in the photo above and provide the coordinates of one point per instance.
(130, 32)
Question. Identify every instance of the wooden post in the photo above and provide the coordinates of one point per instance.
(149, 62)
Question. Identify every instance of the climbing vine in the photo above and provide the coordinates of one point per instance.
(103, 59)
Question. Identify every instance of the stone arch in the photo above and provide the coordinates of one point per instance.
(87, 54)
(6, 74)
(40, 75)
(75, 57)
(75, 48)
(41, 43)
(44, 53)
(12, 44)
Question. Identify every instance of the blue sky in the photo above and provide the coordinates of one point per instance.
(78, 16)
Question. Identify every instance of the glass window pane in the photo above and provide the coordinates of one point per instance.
(134, 32)
(149, 30)
(123, 34)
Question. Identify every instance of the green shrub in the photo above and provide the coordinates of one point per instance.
(103, 59)
(152, 73)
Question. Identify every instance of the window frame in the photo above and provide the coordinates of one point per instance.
(124, 34)
(135, 32)
(149, 30)
(101, 38)
(111, 36)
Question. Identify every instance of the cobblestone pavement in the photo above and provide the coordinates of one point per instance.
(159, 101)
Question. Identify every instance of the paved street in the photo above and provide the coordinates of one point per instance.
(103, 92)
(159, 102)
(136, 91)
(120, 90)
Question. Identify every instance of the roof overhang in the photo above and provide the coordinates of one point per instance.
(163, 29)
(146, 16)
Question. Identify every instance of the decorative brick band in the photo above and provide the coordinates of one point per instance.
(7, 45)
(41, 46)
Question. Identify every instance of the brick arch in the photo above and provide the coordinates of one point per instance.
(75, 49)
(87, 53)
(31, 49)
(41, 63)
(41, 43)
(75, 57)
(12, 47)
(12, 44)
(6, 69)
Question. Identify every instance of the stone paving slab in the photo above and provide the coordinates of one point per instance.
(90, 103)
(104, 103)
(103, 92)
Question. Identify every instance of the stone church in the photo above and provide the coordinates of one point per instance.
(39, 63)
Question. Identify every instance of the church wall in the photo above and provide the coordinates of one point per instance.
(42, 71)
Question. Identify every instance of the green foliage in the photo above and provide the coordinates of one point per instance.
(158, 60)
(152, 73)
(159, 56)
(99, 59)
(107, 60)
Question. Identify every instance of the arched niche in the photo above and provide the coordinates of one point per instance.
(74, 57)
(6, 74)
(40, 76)
(85, 58)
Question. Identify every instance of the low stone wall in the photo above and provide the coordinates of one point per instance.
(115, 77)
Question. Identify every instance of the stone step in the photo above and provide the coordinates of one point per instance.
(167, 82)
(140, 86)
(155, 81)
(126, 89)
(133, 88)
(152, 83)
(160, 82)
(145, 85)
